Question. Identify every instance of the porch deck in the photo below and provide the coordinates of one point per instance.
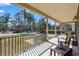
(44, 49)
(39, 50)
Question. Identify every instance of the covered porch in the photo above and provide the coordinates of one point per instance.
(41, 43)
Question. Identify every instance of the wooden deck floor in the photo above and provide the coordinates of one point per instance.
(38, 50)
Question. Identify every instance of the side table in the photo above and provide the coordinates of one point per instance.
(65, 51)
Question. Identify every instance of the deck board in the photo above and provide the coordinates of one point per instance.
(36, 51)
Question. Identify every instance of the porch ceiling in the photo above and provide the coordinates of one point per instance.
(61, 12)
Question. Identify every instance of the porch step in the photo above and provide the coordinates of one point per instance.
(37, 51)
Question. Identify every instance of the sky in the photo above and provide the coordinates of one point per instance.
(8, 8)
(12, 9)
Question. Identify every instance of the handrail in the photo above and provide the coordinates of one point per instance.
(14, 35)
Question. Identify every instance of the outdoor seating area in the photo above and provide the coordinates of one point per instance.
(40, 30)
(49, 48)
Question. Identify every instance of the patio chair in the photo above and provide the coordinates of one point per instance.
(63, 47)
(65, 41)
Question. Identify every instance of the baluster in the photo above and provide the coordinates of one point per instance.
(8, 45)
(20, 43)
(15, 44)
(5, 45)
(12, 47)
(25, 42)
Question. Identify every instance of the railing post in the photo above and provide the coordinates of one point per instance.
(0, 47)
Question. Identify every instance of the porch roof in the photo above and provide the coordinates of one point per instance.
(60, 12)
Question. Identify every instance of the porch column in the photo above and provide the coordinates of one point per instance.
(77, 25)
(55, 28)
(73, 27)
(61, 28)
(65, 28)
(77, 32)
(46, 20)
